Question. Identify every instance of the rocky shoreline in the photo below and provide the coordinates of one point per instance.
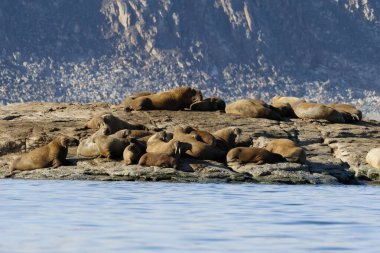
(335, 152)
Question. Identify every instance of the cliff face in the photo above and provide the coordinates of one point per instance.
(99, 50)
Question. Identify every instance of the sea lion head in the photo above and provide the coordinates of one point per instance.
(66, 141)
(181, 147)
(196, 95)
(189, 95)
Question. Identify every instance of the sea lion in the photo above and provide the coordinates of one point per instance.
(201, 135)
(349, 112)
(139, 134)
(287, 149)
(51, 155)
(175, 99)
(373, 158)
(209, 104)
(227, 138)
(198, 149)
(157, 144)
(136, 134)
(122, 134)
(317, 111)
(252, 108)
(253, 155)
(163, 160)
(87, 147)
(287, 100)
(284, 109)
(110, 147)
(96, 121)
(127, 101)
(114, 123)
(133, 152)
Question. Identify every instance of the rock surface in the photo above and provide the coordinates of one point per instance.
(335, 152)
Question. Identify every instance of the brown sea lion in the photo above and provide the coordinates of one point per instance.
(175, 99)
(110, 147)
(349, 112)
(133, 152)
(96, 121)
(317, 111)
(288, 149)
(136, 134)
(127, 101)
(284, 109)
(252, 108)
(227, 138)
(373, 158)
(87, 147)
(201, 135)
(287, 100)
(51, 155)
(157, 144)
(114, 123)
(209, 104)
(198, 149)
(163, 160)
(253, 155)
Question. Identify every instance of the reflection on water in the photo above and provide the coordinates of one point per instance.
(67, 216)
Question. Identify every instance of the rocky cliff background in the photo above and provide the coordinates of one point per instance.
(93, 50)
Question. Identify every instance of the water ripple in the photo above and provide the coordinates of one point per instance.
(75, 216)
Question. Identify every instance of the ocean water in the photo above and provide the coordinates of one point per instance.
(82, 216)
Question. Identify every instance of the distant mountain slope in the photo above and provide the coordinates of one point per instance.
(86, 50)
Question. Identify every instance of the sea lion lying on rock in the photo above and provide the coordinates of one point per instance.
(209, 104)
(284, 105)
(157, 144)
(163, 160)
(227, 138)
(373, 158)
(140, 135)
(198, 149)
(87, 147)
(287, 100)
(111, 147)
(114, 123)
(253, 155)
(349, 112)
(127, 101)
(318, 111)
(287, 149)
(51, 155)
(252, 108)
(201, 135)
(96, 121)
(175, 99)
(284, 109)
(133, 152)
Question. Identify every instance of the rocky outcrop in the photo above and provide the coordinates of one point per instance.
(335, 152)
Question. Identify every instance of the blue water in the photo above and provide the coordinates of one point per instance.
(79, 216)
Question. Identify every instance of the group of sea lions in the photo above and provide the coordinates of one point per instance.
(183, 98)
(136, 144)
(164, 149)
(293, 107)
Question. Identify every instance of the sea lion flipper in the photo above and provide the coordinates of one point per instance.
(57, 163)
